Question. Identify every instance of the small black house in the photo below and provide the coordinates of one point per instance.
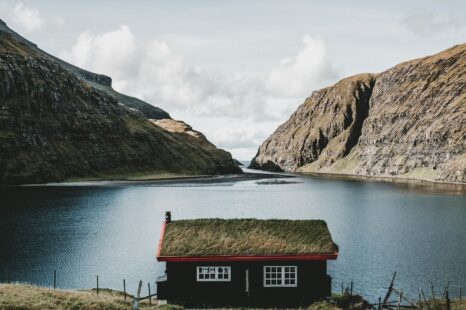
(245, 262)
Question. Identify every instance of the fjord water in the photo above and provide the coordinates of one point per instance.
(113, 231)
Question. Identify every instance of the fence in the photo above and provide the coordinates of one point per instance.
(135, 299)
(401, 301)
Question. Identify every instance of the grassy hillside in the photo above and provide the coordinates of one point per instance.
(58, 122)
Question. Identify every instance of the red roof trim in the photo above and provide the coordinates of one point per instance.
(239, 258)
(161, 239)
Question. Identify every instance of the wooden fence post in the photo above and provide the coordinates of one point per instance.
(139, 288)
(135, 303)
(148, 288)
(445, 289)
(400, 295)
(425, 299)
(351, 290)
(97, 287)
(461, 297)
(389, 291)
(124, 288)
(448, 300)
(54, 279)
(7, 276)
(419, 299)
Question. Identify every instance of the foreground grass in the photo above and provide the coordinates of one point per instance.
(22, 297)
(438, 304)
(16, 297)
(19, 296)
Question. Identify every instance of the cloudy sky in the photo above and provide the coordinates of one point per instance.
(237, 69)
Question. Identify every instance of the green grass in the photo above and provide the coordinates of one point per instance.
(22, 297)
(208, 237)
(440, 304)
(19, 297)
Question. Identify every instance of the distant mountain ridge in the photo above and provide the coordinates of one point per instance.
(58, 121)
(406, 122)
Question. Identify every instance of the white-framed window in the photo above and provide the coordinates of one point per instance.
(280, 276)
(213, 273)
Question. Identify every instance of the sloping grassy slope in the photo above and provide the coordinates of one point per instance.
(58, 123)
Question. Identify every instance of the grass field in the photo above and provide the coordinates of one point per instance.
(16, 297)
(22, 297)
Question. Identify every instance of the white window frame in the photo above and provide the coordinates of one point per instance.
(213, 270)
(281, 272)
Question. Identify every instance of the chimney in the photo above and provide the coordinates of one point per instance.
(168, 217)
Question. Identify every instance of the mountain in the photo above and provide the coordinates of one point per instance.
(406, 122)
(58, 122)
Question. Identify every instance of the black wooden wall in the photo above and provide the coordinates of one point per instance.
(182, 287)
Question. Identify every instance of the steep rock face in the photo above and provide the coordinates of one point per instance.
(406, 122)
(58, 122)
(324, 128)
(417, 120)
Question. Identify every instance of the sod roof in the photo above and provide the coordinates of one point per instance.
(245, 237)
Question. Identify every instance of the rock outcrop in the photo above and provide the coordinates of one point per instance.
(406, 122)
(58, 121)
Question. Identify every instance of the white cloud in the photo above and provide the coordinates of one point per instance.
(308, 70)
(114, 53)
(238, 138)
(148, 70)
(21, 17)
(242, 141)
(151, 71)
(425, 22)
(58, 21)
(26, 17)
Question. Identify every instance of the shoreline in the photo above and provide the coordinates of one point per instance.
(387, 179)
(248, 175)
(174, 179)
(413, 185)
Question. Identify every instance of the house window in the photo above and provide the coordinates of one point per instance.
(213, 273)
(280, 276)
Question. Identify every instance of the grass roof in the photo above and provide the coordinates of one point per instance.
(244, 237)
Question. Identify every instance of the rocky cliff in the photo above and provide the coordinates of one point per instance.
(406, 122)
(58, 121)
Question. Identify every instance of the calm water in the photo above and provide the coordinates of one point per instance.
(113, 231)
